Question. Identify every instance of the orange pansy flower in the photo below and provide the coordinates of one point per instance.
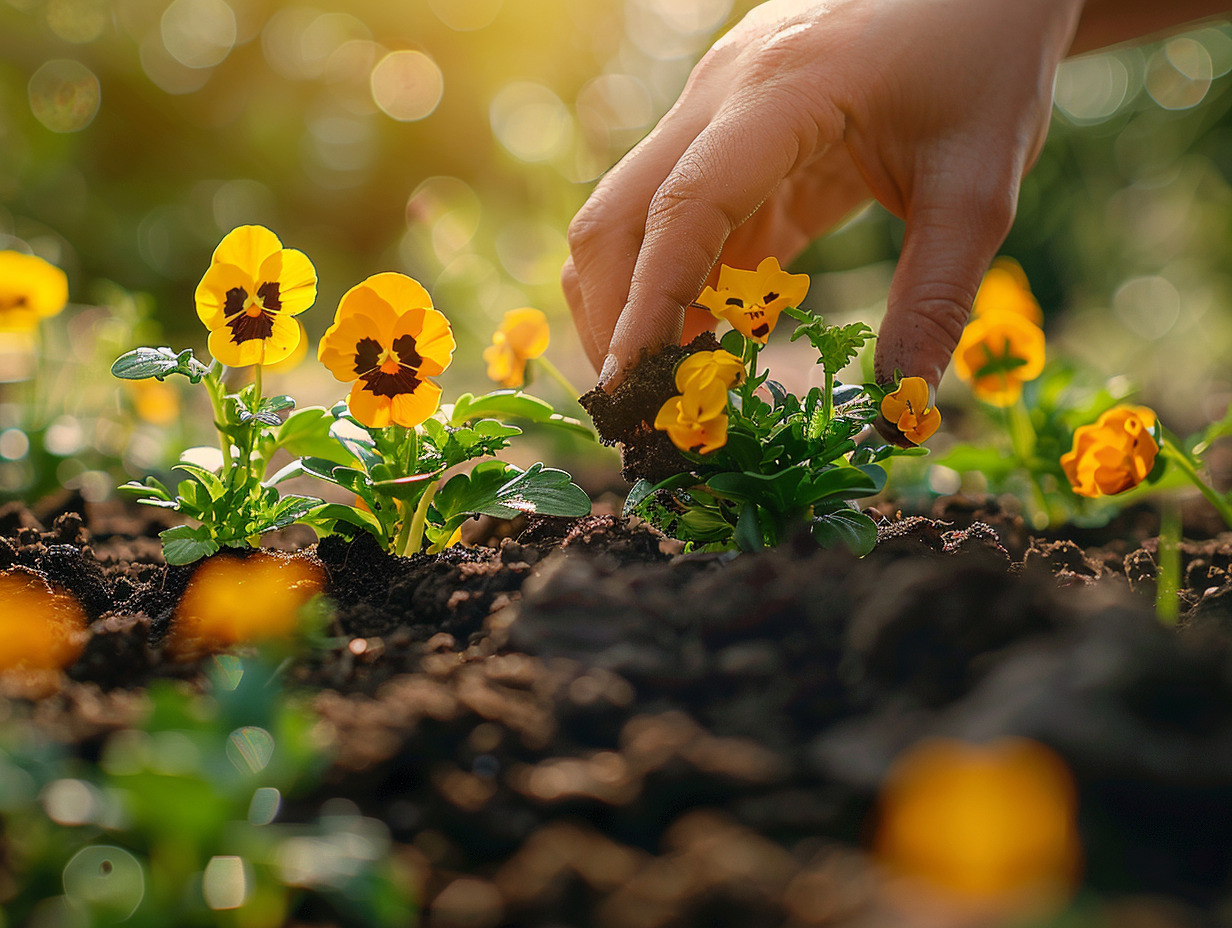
(752, 300)
(997, 354)
(1113, 455)
(523, 335)
(693, 423)
(910, 409)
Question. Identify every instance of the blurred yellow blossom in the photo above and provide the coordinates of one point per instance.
(752, 300)
(155, 401)
(388, 339)
(231, 600)
(1005, 290)
(523, 335)
(41, 627)
(1113, 455)
(997, 354)
(910, 408)
(249, 294)
(694, 422)
(991, 824)
(30, 290)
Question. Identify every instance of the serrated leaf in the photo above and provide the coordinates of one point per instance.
(847, 527)
(183, 545)
(143, 363)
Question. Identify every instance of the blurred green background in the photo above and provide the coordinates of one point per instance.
(454, 139)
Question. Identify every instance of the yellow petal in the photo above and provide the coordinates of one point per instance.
(433, 338)
(410, 409)
(283, 340)
(788, 289)
(337, 347)
(705, 367)
(211, 295)
(246, 247)
(364, 300)
(29, 288)
(297, 355)
(295, 276)
(526, 331)
(1005, 289)
(372, 410)
(504, 365)
(711, 300)
(704, 402)
(399, 291)
(227, 352)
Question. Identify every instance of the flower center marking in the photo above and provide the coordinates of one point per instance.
(251, 317)
(390, 372)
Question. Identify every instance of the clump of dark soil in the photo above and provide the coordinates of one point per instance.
(625, 417)
(579, 727)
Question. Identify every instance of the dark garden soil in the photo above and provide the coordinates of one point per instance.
(580, 726)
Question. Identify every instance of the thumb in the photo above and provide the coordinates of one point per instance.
(954, 227)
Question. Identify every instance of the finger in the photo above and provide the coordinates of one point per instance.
(955, 224)
(726, 173)
(577, 307)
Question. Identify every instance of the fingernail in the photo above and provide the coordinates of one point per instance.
(610, 366)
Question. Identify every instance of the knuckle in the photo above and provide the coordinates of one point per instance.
(585, 226)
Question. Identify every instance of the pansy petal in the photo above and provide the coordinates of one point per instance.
(368, 408)
(283, 340)
(337, 350)
(296, 279)
(712, 300)
(226, 351)
(504, 365)
(297, 355)
(365, 301)
(399, 291)
(527, 331)
(211, 295)
(668, 414)
(246, 247)
(433, 335)
(410, 409)
(30, 285)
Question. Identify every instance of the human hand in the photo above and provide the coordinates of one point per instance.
(804, 111)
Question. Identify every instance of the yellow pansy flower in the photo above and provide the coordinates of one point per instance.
(993, 824)
(388, 339)
(232, 600)
(910, 409)
(1113, 455)
(752, 300)
(42, 627)
(523, 335)
(248, 296)
(703, 368)
(1005, 290)
(997, 354)
(30, 290)
(693, 423)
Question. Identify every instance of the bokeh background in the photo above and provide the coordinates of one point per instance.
(454, 139)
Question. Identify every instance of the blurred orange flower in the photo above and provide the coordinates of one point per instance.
(248, 296)
(155, 401)
(1005, 290)
(523, 335)
(42, 627)
(231, 600)
(30, 290)
(991, 824)
(388, 339)
(695, 421)
(910, 408)
(1113, 455)
(752, 300)
(997, 354)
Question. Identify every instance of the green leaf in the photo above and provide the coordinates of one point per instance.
(143, 363)
(772, 491)
(152, 488)
(748, 535)
(208, 479)
(360, 518)
(183, 545)
(515, 404)
(644, 490)
(733, 343)
(290, 509)
(546, 491)
(841, 483)
(848, 527)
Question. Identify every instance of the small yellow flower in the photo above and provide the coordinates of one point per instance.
(248, 296)
(1113, 455)
(693, 423)
(990, 824)
(155, 401)
(909, 408)
(752, 300)
(703, 368)
(30, 290)
(41, 627)
(232, 600)
(1005, 290)
(388, 339)
(523, 335)
(997, 354)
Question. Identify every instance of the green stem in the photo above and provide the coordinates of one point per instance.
(256, 386)
(1023, 439)
(415, 541)
(554, 372)
(213, 386)
(825, 412)
(1222, 505)
(1168, 571)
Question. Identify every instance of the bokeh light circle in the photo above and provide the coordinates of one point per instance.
(407, 85)
(530, 121)
(1179, 75)
(77, 21)
(105, 878)
(466, 15)
(64, 95)
(199, 33)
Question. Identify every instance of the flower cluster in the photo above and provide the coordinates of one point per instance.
(696, 420)
(387, 340)
(30, 290)
(911, 409)
(522, 336)
(753, 300)
(249, 295)
(1002, 346)
(1113, 455)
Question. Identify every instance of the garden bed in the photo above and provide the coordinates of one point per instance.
(583, 726)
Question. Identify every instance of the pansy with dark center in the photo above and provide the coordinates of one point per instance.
(387, 340)
(752, 300)
(30, 289)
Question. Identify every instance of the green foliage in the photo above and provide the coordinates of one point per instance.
(397, 473)
(159, 363)
(789, 463)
